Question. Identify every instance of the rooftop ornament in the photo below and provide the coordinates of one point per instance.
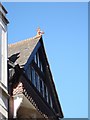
(39, 33)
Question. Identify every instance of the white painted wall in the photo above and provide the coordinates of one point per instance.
(0, 53)
(3, 41)
(3, 68)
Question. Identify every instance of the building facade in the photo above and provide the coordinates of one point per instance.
(3, 64)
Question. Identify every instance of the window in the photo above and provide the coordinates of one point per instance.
(33, 75)
(38, 62)
(49, 99)
(41, 90)
(37, 82)
(35, 59)
(41, 67)
(29, 73)
(45, 92)
(41, 87)
(51, 102)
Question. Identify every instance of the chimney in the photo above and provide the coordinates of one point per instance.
(3, 64)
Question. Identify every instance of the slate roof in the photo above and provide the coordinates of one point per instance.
(19, 52)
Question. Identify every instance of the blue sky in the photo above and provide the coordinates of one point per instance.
(66, 43)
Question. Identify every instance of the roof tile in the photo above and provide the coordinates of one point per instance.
(19, 52)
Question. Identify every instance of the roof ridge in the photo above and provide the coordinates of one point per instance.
(25, 40)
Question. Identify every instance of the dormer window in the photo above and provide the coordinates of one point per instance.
(38, 61)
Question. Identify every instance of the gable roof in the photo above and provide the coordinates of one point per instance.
(19, 52)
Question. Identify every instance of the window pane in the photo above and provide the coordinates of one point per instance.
(36, 79)
(41, 67)
(51, 102)
(38, 83)
(29, 73)
(45, 92)
(49, 98)
(38, 59)
(41, 87)
(33, 76)
(35, 59)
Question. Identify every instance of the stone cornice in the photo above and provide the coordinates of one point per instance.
(4, 89)
(4, 18)
(3, 8)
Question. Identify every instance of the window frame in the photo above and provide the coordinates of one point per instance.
(42, 88)
(37, 81)
(33, 76)
(28, 72)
